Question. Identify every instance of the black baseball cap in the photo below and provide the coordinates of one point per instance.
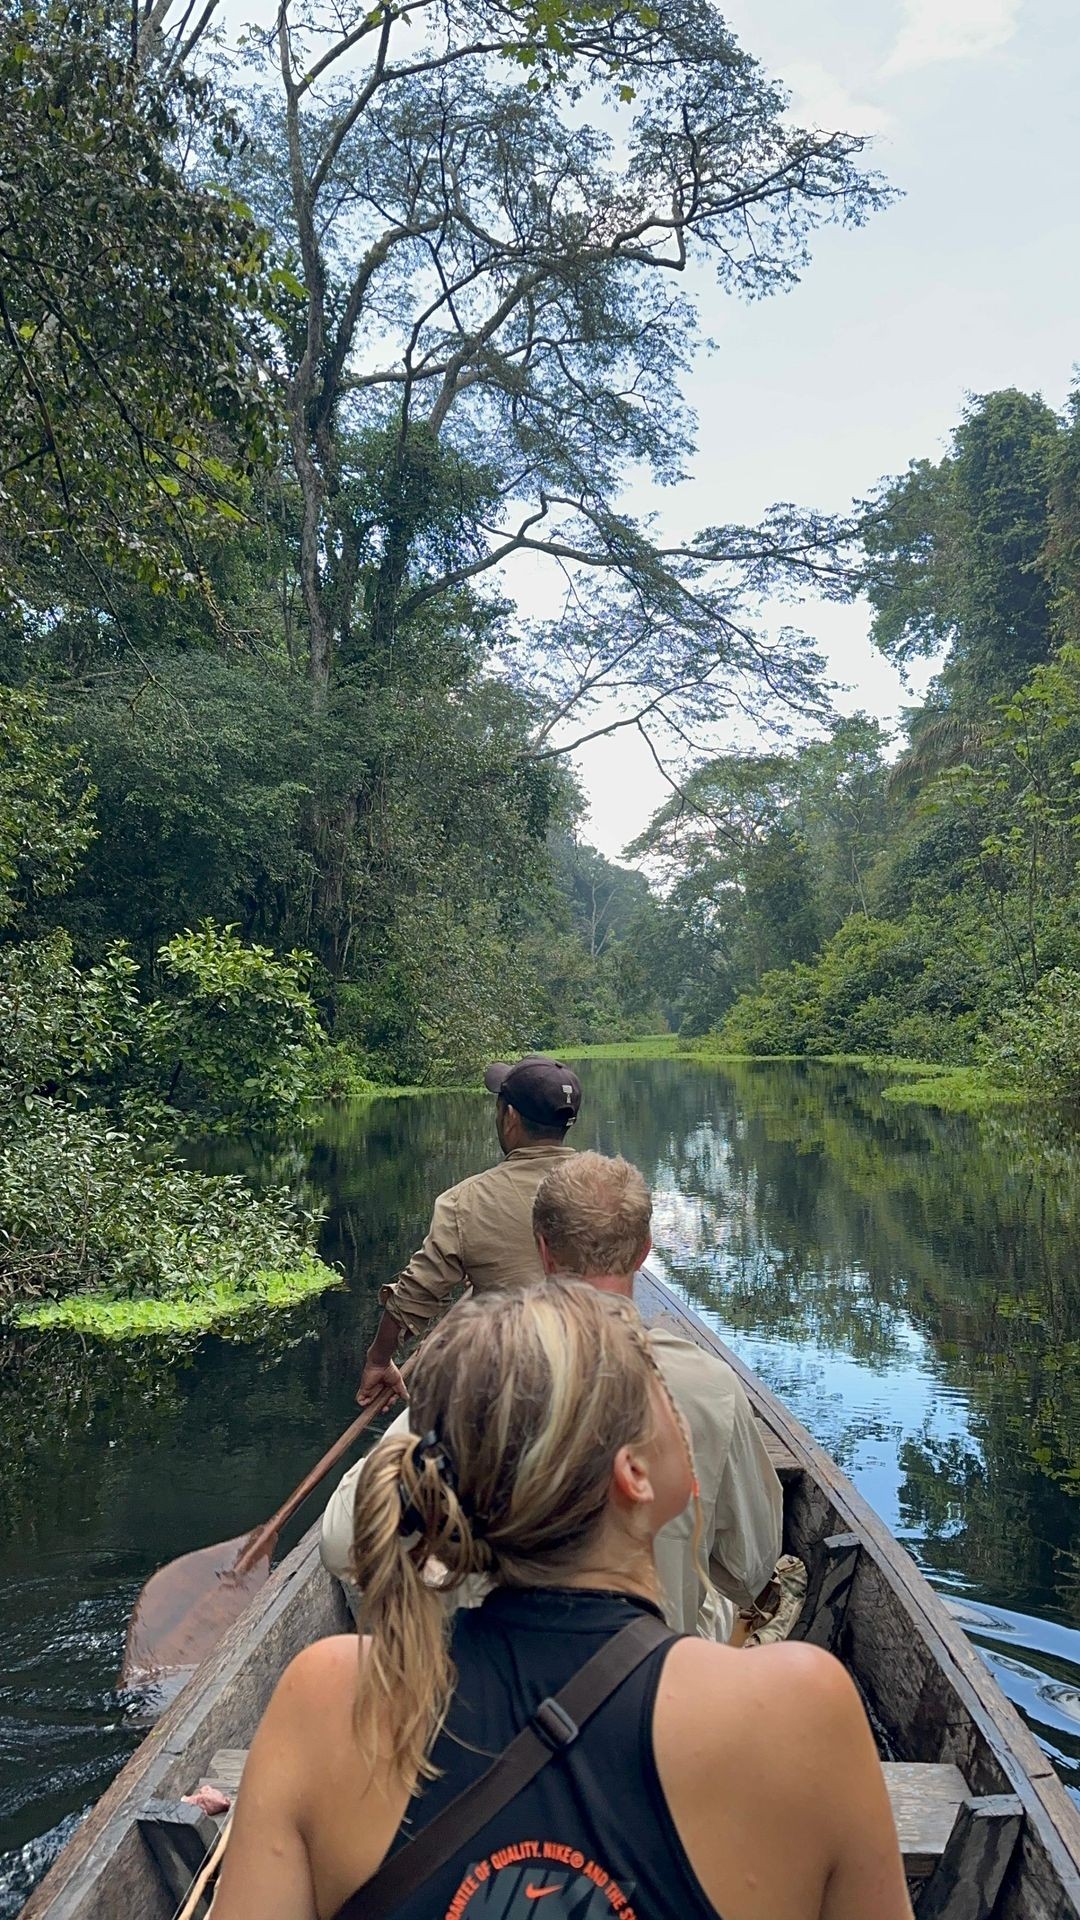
(541, 1090)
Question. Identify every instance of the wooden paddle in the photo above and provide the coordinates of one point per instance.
(185, 1607)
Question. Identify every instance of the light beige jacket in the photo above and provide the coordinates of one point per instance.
(741, 1501)
(480, 1234)
(742, 1507)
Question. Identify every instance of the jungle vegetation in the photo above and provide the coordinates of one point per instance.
(843, 899)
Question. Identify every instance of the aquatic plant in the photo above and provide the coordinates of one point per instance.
(207, 1303)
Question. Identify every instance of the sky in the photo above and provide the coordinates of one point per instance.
(969, 283)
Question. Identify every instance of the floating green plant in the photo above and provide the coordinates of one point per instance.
(209, 1302)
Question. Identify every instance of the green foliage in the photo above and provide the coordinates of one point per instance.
(366, 771)
(87, 1204)
(1061, 555)
(1036, 1044)
(68, 1032)
(205, 773)
(207, 1302)
(583, 949)
(46, 821)
(447, 995)
(867, 993)
(91, 1195)
(651, 1046)
(454, 406)
(955, 552)
(945, 890)
(779, 1017)
(236, 1039)
(231, 1048)
(760, 856)
(132, 346)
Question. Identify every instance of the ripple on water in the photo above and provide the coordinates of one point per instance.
(64, 1727)
(863, 1257)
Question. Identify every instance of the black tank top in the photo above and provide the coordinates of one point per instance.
(591, 1838)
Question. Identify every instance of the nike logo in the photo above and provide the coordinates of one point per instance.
(537, 1893)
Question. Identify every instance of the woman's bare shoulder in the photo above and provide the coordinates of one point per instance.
(781, 1662)
(320, 1679)
(728, 1688)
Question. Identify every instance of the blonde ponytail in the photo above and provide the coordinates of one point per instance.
(520, 1402)
(411, 1544)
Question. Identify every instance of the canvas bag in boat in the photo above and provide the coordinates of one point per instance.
(554, 1725)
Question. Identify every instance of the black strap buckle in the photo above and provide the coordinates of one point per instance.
(554, 1725)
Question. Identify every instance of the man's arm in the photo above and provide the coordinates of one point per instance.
(748, 1521)
(415, 1299)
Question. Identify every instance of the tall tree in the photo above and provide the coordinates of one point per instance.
(734, 870)
(487, 337)
(1061, 555)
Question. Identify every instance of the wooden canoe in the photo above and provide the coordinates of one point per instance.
(1010, 1846)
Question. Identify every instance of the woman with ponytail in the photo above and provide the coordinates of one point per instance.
(626, 1772)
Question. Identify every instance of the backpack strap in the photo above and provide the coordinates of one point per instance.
(553, 1727)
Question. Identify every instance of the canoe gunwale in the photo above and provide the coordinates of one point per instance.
(244, 1666)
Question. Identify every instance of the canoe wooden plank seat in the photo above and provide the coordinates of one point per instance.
(987, 1829)
(950, 1841)
(927, 1801)
(181, 1836)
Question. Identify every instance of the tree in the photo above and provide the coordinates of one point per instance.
(735, 872)
(133, 349)
(1060, 558)
(486, 335)
(1019, 805)
(91, 1191)
(955, 552)
(762, 856)
(842, 809)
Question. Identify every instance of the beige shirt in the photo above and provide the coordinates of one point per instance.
(742, 1505)
(480, 1234)
(741, 1500)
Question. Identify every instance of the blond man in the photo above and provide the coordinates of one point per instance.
(592, 1218)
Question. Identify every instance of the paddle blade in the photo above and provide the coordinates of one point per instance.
(184, 1609)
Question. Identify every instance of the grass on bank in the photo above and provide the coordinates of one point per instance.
(208, 1304)
(340, 1078)
(647, 1046)
(927, 1083)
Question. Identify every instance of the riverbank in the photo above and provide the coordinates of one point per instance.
(922, 1082)
(927, 1083)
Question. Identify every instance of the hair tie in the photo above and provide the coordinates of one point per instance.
(428, 1449)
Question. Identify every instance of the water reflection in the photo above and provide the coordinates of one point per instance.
(908, 1282)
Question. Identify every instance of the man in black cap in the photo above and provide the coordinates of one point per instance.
(481, 1230)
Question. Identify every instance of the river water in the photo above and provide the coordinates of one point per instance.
(908, 1282)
